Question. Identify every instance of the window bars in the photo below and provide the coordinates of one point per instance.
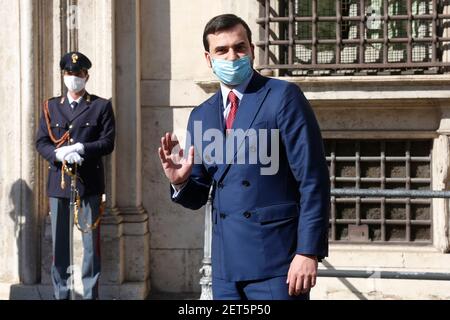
(340, 37)
(380, 165)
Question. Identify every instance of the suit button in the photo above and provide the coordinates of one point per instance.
(223, 216)
(71, 140)
(71, 126)
(246, 183)
(221, 185)
(247, 215)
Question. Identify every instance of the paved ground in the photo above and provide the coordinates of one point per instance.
(45, 292)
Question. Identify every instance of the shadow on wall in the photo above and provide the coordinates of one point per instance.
(18, 217)
(26, 235)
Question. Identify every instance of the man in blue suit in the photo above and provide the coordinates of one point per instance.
(76, 129)
(270, 228)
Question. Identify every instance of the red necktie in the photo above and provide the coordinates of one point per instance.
(234, 107)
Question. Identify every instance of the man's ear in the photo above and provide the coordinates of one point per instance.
(87, 77)
(208, 59)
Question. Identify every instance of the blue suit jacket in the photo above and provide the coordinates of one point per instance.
(93, 125)
(261, 221)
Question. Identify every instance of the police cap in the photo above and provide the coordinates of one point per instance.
(75, 62)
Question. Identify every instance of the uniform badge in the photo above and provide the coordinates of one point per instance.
(74, 58)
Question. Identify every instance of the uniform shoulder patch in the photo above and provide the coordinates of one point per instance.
(54, 99)
(99, 99)
(94, 97)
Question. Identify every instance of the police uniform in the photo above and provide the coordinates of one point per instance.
(92, 124)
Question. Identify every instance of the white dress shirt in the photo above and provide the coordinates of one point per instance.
(72, 100)
(238, 91)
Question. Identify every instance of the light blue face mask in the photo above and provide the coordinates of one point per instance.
(232, 73)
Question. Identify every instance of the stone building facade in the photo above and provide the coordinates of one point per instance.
(148, 58)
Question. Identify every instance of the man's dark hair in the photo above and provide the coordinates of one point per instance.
(223, 22)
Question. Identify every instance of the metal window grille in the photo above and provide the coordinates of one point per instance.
(384, 164)
(322, 37)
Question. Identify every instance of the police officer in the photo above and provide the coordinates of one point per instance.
(75, 132)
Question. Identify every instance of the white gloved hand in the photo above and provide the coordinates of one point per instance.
(62, 152)
(74, 157)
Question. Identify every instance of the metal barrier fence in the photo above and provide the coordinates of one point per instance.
(206, 270)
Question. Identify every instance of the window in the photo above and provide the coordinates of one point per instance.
(387, 164)
(341, 37)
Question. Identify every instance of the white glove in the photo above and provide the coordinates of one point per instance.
(61, 153)
(74, 157)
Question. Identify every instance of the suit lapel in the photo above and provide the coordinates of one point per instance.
(215, 113)
(249, 107)
(251, 103)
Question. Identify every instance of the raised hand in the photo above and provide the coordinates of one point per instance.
(176, 167)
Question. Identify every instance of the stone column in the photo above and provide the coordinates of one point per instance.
(441, 181)
(127, 213)
(441, 166)
(19, 223)
(28, 213)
